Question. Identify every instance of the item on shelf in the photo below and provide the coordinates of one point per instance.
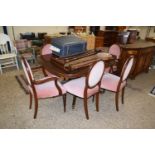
(133, 36)
(68, 46)
(90, 39)
(94, 29)
(123, 37)
(42, 35)
(27, 35)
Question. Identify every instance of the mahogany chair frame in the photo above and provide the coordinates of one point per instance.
(85, 99)
(116, 60)
(120, 82)
(41, 81)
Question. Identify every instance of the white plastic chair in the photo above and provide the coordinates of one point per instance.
(8, 53)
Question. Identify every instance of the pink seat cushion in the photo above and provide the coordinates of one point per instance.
(77, 86)
(48, 89)
(110, 82)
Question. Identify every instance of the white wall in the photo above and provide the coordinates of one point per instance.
(35, 29)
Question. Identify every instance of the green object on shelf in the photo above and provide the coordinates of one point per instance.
(37, 42)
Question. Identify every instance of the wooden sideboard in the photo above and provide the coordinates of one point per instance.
(152, 39)
(143, 53)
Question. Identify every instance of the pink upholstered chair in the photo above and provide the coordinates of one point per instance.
(46, 50)
(115, 51)
(44, 88)
(115, 83)
(86, 87)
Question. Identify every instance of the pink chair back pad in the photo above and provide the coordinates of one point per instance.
(77, 87)
(46, 50)
(96, 73)
(128, 69)
(48, 89)
(110, 82)
(115, 50)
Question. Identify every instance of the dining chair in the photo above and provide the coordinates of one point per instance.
(117, 84)
(47, 50)
(115, 51)
(85, 87)
(46, 87)
(8, 53)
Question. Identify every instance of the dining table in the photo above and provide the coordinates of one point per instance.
(74, 66)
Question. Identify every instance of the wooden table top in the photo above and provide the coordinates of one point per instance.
(52, 68)
(46, 61)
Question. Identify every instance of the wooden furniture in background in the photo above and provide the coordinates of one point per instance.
(110, 37)
(143, 53)
(99, 41)
(90, 39)
(152, 39)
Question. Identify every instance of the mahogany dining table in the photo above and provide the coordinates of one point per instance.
(51, 66)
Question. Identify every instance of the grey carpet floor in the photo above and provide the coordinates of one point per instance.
(137, 112)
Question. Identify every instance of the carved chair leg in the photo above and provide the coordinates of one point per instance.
(30, 106)
(86, 108)
(123, 95)
(97, 102)
(116, 100)
(64, 102)
(36, 108)
(74, 102)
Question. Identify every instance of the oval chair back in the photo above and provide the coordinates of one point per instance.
(46, 49)
(127, 68)
(115, 50)
(95, 74)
